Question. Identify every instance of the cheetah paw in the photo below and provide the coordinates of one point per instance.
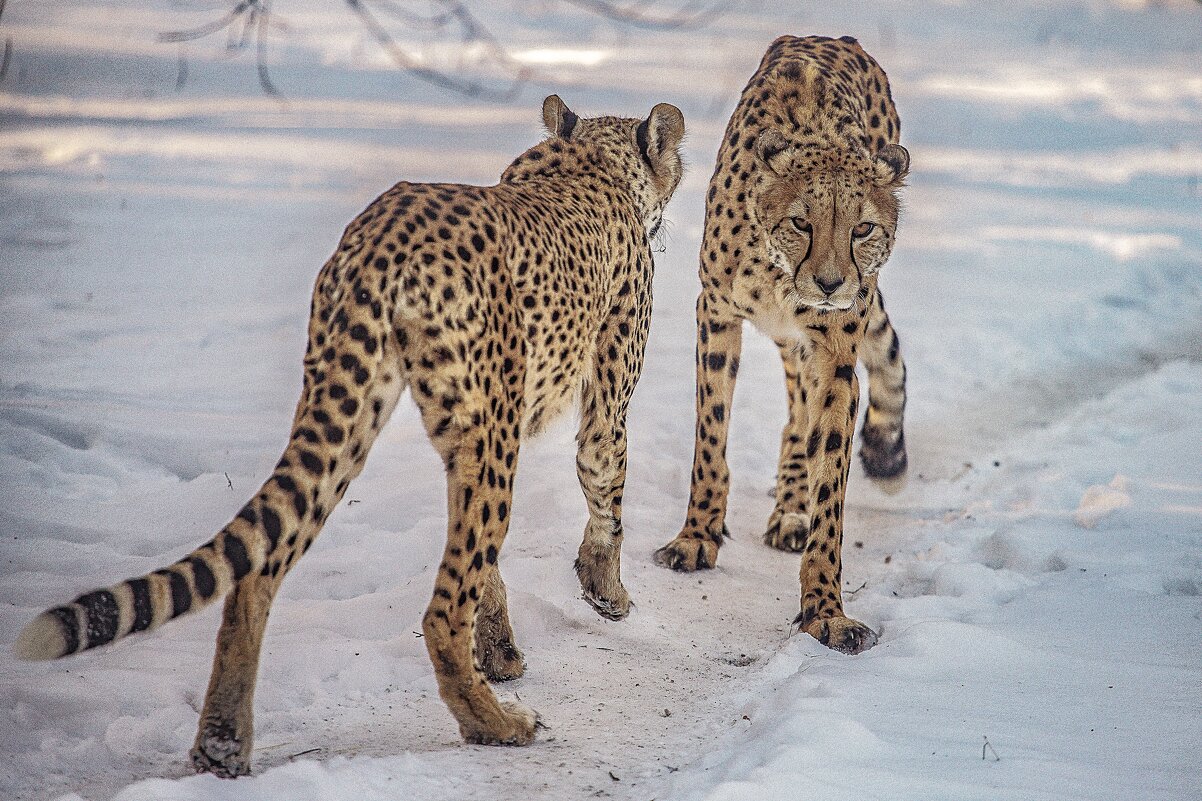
(610, 608)
(884, 458)
(687, 554)
(842, 634)
(515, 726)
(787, 531)
(222, 754)
(501, 660)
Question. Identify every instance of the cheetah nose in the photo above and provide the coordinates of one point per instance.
(828, 286)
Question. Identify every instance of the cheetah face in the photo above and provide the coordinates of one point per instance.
(646, 152)
(828, 218)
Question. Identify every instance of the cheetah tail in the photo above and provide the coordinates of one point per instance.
(147, 602)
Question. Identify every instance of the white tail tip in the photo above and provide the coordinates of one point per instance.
(42, 639)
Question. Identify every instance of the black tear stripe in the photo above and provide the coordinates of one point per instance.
(641, 139)
(68, 620)
(100, 614)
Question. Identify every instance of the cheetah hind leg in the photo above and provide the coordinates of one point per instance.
(499, 658)
(473, 444)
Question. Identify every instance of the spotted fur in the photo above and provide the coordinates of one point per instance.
(800, 217)
(498, 307)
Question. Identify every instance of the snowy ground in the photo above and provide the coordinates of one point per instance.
(1038, 581)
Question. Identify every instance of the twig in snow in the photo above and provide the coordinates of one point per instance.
(228, 481)
(987, 744)
(857, 589)
(303, 753)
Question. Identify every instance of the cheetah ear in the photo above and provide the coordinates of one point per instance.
(773, 149)
(659, 134)
(559, 119)
(892, 163)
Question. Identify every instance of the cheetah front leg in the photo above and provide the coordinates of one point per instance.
(882, 440)
(790, 521)
(719, 343)
(832, 400)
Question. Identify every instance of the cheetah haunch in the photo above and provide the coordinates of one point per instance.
(800, 217)
(498, 307)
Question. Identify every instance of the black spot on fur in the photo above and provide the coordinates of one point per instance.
(271, 525)
(143, 608)
(235, 553)
(100, 610)
(69, 621)
(202, 578)
(181, 596)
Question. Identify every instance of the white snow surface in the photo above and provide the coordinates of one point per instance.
(1037, 582)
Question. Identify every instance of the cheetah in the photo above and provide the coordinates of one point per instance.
(498, 307)
(801, 215)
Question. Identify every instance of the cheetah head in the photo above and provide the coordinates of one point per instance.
(646, 152)
(829, 216)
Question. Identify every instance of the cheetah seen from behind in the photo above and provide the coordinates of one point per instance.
(800, 217)
(498, 307)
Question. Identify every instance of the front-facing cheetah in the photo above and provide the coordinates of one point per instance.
(498, 307)
(800, 217)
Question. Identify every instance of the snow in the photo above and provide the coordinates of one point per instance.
(1037, 581)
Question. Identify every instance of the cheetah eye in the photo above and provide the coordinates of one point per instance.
(863, 229)
(801, 225)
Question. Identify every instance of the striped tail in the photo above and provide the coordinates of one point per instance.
(141, 604)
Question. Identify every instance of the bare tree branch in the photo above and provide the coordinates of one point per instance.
(264, 17)
(6, 58)
(471, 32)
(690, 15)
(251, 19)
(210, 27)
